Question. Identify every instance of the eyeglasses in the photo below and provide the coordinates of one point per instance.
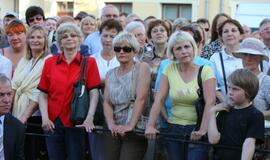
(37, 18)
(125, 49)
(206, 29)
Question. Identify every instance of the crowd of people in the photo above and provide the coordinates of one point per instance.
(145, 73)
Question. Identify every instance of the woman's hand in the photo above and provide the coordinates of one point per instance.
(115, 129)
(151, 132)
(125, 129)
(23, 119)
(47, 125)
(88, 124)
(197, 135)
(220, 107)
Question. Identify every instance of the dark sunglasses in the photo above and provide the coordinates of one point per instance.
(206, 29)
(32, 19)
(125, 49)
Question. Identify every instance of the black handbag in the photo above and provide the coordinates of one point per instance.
(199, 103)
(80, 101)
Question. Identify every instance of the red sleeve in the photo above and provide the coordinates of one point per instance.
(44, 82)
(93, 78)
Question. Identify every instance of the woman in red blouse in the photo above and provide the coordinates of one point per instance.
(56, 84)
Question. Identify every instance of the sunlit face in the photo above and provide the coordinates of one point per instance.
(50, 25)
(236, 95)
(16, 39)
(5, 97)
(183, 52)
(251, 62)
(107, 37)
(70, 40)
(265, 31)
(36, 41)
(88, 28)
(159, 34)
(109, 13)
(230, 34)
(140, 36)
(122, 55)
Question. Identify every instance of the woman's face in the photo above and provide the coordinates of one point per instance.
(230, 34)
(183, 52)
(50, 25)
(250, 61)
(107, 37)
(140, 36)
(88, 28)
(159, 34)
(36, 41)
(16, 39)
(124, 52)
(70, 40)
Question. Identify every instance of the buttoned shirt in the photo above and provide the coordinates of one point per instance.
(57, 80)
(93, 42)
(2, 154)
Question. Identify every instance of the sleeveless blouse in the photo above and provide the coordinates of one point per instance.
(120, 88)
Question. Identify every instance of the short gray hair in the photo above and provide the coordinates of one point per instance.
(68, 27)
(180, 36)
(264, 21)
(127, 37)
(4, 78)
(134, 25)
(108, 6)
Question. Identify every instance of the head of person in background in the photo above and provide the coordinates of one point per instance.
(138, 30)
(169, 24)
(109, 12)
(81, 15)
(265, 31)
(131, 17)
(122, 19)
(247, 32)
(9, 16)
(88, 25)
(204, 23)
(196, 32)
(230, 32)
(179, 23)
(6, 95)
(217, 21)
(256, 34)
(50, 24)
(16, 34)
(34, 15)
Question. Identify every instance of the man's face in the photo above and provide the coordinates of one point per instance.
(265, 32)
(109, 13)
(7, 20)
(5, 97)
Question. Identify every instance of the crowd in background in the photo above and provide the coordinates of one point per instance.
(153, 64)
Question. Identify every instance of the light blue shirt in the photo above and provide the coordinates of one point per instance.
(94, 43)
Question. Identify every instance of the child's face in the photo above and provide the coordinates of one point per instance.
(236, 96)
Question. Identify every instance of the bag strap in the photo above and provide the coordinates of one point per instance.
(83, 71)
(223, 71)
(199, 80)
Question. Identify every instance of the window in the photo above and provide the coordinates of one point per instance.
(65, 8)
(173, 11)
(123, 7)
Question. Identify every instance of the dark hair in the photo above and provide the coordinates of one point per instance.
(169, 22)
(196, 33)
(203, 20)
(149, 17)
(156, 23)
(246, 80)
(231, 21)
(50, 18)
(33, 11)
(110, 24)
(214, 31)
(81, 15)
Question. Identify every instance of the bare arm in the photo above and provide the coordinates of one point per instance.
(162, 93)
(213, 133)
(33, 107)
(248, 149)
(47, 124)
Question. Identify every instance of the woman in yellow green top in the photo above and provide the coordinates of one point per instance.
(179, 80)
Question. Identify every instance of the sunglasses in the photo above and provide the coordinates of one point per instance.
(32, 19)
(125, 49)
(206, 29)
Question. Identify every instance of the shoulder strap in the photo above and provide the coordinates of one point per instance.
(83, 71)
(199, 80)
(223, 71)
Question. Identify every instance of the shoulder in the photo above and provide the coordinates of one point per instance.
(92, 36)
(4, 60)
(214, 56)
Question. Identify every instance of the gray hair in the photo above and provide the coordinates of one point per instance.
(180, 22)
(68, 27)
(4, 79)
(180, 36)
(128, 38)
(264, 21)
(108, 6)
(134, 25)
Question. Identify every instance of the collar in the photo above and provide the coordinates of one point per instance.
(2, 119)
(226, 56)
(77, 59)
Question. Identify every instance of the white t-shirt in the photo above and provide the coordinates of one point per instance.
(5, 66)
(104, 66)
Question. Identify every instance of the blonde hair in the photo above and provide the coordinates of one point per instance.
(180, 36)
(125, 36)
(88, 19)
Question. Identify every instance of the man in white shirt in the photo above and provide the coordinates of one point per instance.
(11, 129)
(264, 29)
